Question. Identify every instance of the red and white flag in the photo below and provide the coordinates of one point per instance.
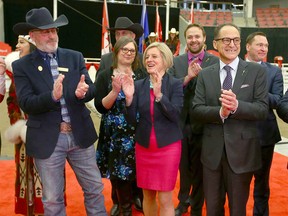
(192, 12)
(105, 48)
(158, 26)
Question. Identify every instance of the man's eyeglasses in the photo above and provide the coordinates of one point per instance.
(227, 40)
(46, 32)
(126, 50)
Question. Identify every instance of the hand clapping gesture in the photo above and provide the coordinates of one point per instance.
(194, 69)
(157, 83)
(58, 87)
(229, 102)
(116, 82)
(128, 88)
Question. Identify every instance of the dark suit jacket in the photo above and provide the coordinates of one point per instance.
(269, 131)
(34, 85)
(282, 109)
(180, 70)
(166, 112)
(238, 134)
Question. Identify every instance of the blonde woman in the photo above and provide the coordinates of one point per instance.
(157, 100)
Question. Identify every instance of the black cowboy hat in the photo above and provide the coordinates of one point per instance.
(39, 18)
(124, 23)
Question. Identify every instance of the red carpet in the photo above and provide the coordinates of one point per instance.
(75, 207)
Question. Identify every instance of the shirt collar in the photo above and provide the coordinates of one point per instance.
(44, 54)
(200, 55)
(233, 64)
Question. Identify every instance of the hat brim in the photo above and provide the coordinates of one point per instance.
(136, 28)
(177, 32)
(24, 28)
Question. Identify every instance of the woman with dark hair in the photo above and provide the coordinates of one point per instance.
(28, 188)
(116, 145)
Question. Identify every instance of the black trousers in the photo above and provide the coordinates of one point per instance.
(191, 172)
(237, 187)
(261, 183)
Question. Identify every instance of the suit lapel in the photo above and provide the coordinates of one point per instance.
(214, 74)
(42, 69)
(240, 76)
(206, 60)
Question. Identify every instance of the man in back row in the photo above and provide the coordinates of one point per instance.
(257, 49)
(187, 67)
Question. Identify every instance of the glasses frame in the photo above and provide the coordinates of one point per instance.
(126, 51)
(225, 40)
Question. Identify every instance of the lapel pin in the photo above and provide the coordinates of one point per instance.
(243, 72)
(40, 68)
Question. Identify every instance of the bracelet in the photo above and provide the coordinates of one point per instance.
(158, 99)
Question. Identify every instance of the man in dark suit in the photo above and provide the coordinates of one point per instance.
(230, 98)
(52, 85)
(257, 49)
(123, 27)
(187, 67)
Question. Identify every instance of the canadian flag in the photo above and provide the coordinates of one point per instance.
(158, 26)
(105, 33)
(192, 13)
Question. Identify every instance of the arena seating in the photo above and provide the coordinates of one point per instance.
(272, 17)
(208, 18)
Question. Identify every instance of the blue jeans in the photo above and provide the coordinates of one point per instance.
(83, 163)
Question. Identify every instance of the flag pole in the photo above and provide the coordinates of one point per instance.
(167, 18)
(55, 9)
(192, 12)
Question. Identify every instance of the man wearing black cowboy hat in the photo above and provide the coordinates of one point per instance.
(123, 27)
(52, 85)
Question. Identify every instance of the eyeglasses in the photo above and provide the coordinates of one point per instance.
(46, 32)
(126, 50)
(227, 40)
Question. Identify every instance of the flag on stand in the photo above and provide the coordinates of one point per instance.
(145, 25)
(105, 48)
(192, 12)
(158, 26)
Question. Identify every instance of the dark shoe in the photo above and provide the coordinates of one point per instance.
(138, 204)
(126, 209)
(115, 210)
(181, 209)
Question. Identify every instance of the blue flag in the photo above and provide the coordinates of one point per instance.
(144, 23)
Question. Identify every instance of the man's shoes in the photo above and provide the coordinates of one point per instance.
(115, 210)
(138, 204)
(181, 209)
